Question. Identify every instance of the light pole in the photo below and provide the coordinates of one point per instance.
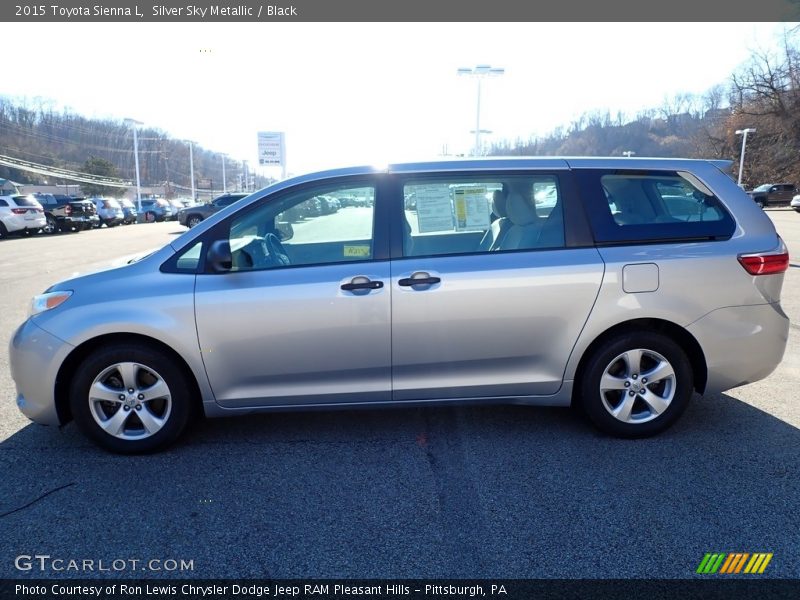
(743, 133)
(133, 123)
(224, 180)
(480, 72)
(191, 167)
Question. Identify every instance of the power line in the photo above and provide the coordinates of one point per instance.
(54, 138)
(31, 167)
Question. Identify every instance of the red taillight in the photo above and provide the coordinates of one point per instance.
(765, 264)
(19, 211)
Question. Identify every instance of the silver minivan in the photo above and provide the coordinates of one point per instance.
(619, 285)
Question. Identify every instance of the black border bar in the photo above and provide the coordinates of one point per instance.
(175, 11)
(708, 588)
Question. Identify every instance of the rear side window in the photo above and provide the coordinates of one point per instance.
(26, 201)
(453, 214)
(648, 206)
(225, 201)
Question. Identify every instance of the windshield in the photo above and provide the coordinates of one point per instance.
(763, 188)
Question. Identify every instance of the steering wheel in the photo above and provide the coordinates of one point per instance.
(276, 251)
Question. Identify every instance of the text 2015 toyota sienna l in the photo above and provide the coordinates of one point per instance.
(622, 285)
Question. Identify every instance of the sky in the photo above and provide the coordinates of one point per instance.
(368, 93)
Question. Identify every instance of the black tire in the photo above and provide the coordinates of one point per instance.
(3, 231)
(193, 221)
(761, 203)
(51, 225)
(644, 421)
(153, 360)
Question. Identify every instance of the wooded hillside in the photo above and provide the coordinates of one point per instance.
(34, 131)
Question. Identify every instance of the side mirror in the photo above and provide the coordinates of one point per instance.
(219, 256)
(285, 231)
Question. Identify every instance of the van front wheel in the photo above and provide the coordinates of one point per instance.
(130, 398)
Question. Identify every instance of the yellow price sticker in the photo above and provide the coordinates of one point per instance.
(357, 251)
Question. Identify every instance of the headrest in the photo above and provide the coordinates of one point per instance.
(499, 199)
(519, 210)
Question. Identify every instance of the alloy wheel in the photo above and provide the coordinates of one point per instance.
(50, 225)
(637, 386)
(130, 401)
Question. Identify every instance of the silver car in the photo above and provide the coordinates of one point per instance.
(636, 283)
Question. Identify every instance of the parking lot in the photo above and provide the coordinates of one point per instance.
(488, 492)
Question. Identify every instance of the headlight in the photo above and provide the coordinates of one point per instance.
(44, 302)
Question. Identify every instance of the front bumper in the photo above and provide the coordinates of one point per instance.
(82, 221)
(35, 357)
(742, 344)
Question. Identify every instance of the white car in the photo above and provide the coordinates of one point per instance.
(795, 203)
(20, 214)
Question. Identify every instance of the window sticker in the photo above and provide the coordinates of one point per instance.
(434, 210)
(471, 208)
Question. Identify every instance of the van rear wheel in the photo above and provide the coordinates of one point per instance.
(636, 384)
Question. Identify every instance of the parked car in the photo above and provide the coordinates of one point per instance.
(795, 203)
(67, 213)
(624, 312)
(109, 210)
(194, 215)
(177, 206)
(185, 202)
(157, 209)
(770, 194)
(20, 214)
(129, 211)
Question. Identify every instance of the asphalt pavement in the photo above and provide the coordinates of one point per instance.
(487, 492)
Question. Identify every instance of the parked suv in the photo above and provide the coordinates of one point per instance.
(619, 285)
(20, 214)
(194, 215)
(109, 210)
(156, 209)
(65, 213)
(770, 194)
(128, 211)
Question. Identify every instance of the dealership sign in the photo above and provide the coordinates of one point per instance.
(271, 149)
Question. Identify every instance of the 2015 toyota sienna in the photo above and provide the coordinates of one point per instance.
(622, 285)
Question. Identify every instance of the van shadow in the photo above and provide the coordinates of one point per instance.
(487, 492)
